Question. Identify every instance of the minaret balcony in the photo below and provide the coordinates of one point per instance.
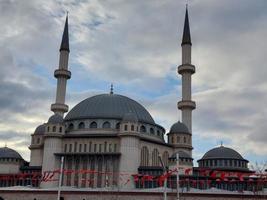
(58, 107)
(62, 73)
(186, 104)
(186, 68)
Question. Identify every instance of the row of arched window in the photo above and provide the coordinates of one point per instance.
(223, 163)
(54, 129)
(90, 147)
(107, 125)
(155, 160)
(180, 139)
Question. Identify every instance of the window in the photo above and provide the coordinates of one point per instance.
(115, 147)
(132, 127)
(151, 131)
(142, 129)
(70, 148)
(71, 126)
(158, 132)
(110, 148)
(60, 129)
(165, 158)
(184, 139)
(155, 158)
(65, 148)
(100, 148)
(80, 148)
(178, 139)
(75, 146)
(125, 127)
(84, 148)
(106, 125)
(118, 125)
(105, 147)
(38, 140)
(81, 125)
(90, 146)
(93, 125)
(54, 128)
(172, 138)
(48, 129)
(95, 146)
(144, 156)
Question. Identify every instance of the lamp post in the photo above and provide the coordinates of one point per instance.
(165, 181)
(60, 177)
(177, 176)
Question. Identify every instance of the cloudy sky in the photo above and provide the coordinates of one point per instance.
(136, 46)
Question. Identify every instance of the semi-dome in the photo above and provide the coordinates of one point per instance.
(6, 152)
(55, 119)
(109, 106)
(222, 152)
(179, 127)
(40, 130)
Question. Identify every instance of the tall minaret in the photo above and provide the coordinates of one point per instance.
(62, 74)
(186, 70)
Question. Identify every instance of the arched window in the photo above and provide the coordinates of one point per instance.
(93, 125)
(106, 125)
(172, 139)
(81, 125)
(155, 157)
(48, 129)
(60, 129)
(184, 139)
(54, 128)
(165, 158)
(144, 156)
(142, 129)
(125, 127)
(71, 126)
(178, 139)
(151, 131)
(132, 127)
(158, 133)
(118, 125)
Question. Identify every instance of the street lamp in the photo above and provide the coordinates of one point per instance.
(165, 180)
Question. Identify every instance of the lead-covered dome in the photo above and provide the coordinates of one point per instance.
(6, 152)
(179, 127)
(222, 152)
(56, 119)
(40, 130)
(109, 106)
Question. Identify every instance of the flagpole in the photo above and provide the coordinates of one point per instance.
(60, 177)
(177, 176)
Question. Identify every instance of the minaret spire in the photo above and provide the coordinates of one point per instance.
(186, 105)
(186, 34)
(65, 37)
(62, 74)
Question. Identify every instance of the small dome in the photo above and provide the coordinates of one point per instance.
(222, 152)
(55, 119)
(6, 152)
(40, 130)
(182, 154)
(179, 127)
(130, 117)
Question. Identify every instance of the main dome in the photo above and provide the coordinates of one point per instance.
(6, 152)
(108, 106)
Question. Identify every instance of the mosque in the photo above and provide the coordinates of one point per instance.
(114, 134)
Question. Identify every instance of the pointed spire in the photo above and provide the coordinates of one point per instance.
(111, 88)
(186, 34)
(65, 37)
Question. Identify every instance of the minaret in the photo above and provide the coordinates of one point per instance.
(62, 74)
(186, 70)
